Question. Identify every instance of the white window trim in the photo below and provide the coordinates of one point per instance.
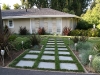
(12, 23)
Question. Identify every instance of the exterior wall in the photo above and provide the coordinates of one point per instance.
(69, 22)
(18, 23)
(34, 24)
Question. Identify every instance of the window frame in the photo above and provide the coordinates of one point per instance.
(10, 20)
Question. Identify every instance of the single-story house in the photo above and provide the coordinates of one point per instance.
(52, 20)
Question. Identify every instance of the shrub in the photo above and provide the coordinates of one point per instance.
(97, 47)
(83, 25)
(84, 46)
(18, 43)
(12, 37)
(83, 38)
(75, 39)
(92, 32)
(96, 63)
(78, 33)
(35, 40)
(4, 43)
(84, 56)
(41, 31)
(66, 30)
(23, 31)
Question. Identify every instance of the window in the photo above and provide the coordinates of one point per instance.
(10, 24)
(59, 25)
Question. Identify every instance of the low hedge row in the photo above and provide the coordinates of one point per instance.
(90, 32)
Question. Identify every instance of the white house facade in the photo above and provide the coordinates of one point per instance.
(53, 21)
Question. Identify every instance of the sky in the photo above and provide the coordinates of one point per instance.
(10, 2)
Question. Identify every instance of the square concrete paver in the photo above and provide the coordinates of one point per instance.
(68, 66)
(62, 52)
(29, 56)
(49, 52)
(65, 58)
(46, 57)
(62, 49)
(32, 51)
(49, 48)
(60, 43)
(51, 43)
(24, 63)
(46, 65)
(61, 46)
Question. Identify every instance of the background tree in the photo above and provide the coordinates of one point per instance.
(70, 6)
(16, 6)
(5, 7)
(92, 16)
(1, 25)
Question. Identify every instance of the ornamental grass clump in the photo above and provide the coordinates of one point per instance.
(96, 63)
(5, 44)
(35, 40)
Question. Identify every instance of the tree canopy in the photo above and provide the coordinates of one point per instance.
(16, 6)
(92, 16)
(71, 6)
(5, 7)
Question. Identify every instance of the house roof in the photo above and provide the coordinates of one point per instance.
(34, 13)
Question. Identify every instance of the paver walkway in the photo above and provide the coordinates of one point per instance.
(55, 50)
(8, 71)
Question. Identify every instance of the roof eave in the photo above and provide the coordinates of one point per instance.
(39, 16)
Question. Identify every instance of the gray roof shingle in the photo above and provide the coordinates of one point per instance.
(34, 12)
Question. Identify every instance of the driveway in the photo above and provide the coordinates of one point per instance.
(8, 71)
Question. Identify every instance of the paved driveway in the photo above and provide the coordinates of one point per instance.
(8, 71)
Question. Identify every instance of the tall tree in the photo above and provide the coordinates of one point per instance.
(5, 7)
(71, 6)
(16, 6)
(1, 25)
(92, 16)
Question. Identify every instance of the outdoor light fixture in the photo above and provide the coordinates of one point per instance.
(90, 59)
(69, 41)
(75, 46)
(2, 53)
(94, 26)
(22, 43)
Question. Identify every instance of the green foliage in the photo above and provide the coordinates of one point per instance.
(68, 6)
(84, 56)
(18, 43)
(35, 40)
(97, 47)
(92, 16)
(84, 46)
(5, 7)
(12, 37)
(75, 39)
(82, 24)
(90, 32)
(96, 63)
(16, 6)
(23, 31)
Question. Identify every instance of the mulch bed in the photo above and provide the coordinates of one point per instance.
(13, 55)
